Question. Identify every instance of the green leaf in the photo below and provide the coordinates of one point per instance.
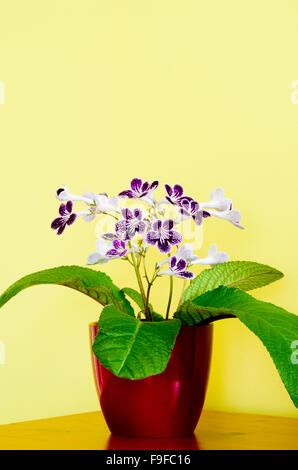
(95, 284)
(245, 275)
(136, 296)
(156, 316)
(274, 326)
(131, 348)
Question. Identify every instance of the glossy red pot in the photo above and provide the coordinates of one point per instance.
(164, 405)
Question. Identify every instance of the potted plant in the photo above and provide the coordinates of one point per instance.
(151, 369)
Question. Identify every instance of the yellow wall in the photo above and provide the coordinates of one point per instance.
(97, 92)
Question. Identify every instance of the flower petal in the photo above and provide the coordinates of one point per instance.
(163, 246)
(141, 227)
(168, 224)
(168, 189)
(71, 219)
(173, 261)
(144, 188)
(109, 236)
(120, 228)
(57, 223)
(61, 229)
(194, 206)
(94, 258)
(111, 253)
(156, 225)
(136, 184)
(138, 214)
(127, 193)
(62, 209)
(154, 185)
(69, 205)
(185, 274)
(116, 244)
(127, 214)
(175, 238)
(181, 265)
(178, 190)
(152, 237)
(185, 204)
(198, 217)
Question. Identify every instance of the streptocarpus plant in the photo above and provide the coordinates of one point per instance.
(135, 345)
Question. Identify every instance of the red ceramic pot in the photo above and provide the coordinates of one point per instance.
(164, 405)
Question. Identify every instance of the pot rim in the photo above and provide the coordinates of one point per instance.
(95, 323)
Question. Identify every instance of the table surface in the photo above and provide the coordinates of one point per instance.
(216, 430)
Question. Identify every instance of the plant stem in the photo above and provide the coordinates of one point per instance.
(147, 309)
(111, 215)
(170, 297)
(139, 279)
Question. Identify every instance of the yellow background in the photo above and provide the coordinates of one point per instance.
(98, 92)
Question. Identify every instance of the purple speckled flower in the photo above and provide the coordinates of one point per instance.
(139, 189)
(118, 249)
(175, 194)
(131, 224)
(163, 235)
(192, 209)
(67, 217)
(177, 268)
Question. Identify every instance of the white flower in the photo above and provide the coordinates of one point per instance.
(233, 216)
(213, 257)
(100, 203)
(64, 195)
(184, 251)
(103, 247)
(218, 201)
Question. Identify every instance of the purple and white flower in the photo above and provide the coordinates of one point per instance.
(174, 195)
(163, 235)
(177, 267)
(140, 190)
(67, 217)
(218, 201)
(131, 224)
(185, 251)
(97, 203)
(118, 250)
(192, 209)
(213, 257)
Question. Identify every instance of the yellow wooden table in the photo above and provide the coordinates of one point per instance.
(215, 431)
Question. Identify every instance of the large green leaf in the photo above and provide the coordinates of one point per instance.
(136, 296)
(131, 348)
(95, 284)
(276, 328)
(245, 275)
